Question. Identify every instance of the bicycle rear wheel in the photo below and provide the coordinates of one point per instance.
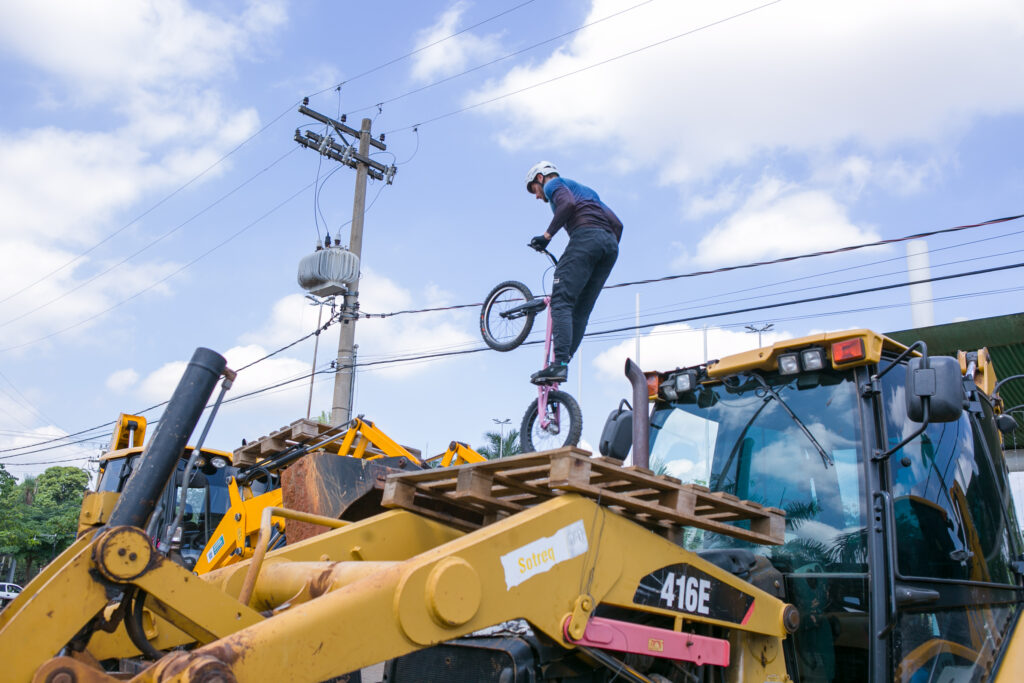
(565, 424)
(503, 324)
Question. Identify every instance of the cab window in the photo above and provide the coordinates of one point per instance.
(950, 508)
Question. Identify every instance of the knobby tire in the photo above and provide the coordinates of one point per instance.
(570, 424)
(492, 324)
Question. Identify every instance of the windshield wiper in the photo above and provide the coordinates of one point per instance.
(825, 457)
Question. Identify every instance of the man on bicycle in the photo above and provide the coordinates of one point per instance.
(594, 232)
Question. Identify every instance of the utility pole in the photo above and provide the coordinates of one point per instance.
(345, 153)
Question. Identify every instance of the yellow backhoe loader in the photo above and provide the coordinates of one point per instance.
(228, 492)
(833, 508)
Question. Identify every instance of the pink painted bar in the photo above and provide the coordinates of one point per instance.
(622, 636)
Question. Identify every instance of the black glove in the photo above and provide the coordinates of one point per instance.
(540, 243)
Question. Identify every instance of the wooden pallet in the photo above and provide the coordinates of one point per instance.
(298, 432)
(470, 496)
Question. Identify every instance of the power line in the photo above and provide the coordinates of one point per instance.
(163, 279)
(823, 297)
(776, 283)
(581, 70)
(828, 252)
(690, 304)
(749, 309)
(271, 354)
(421, 49)
(648, 325)
(235, 149)
(333, 319)
(142, 215)
(599, 333)
(496, 60)
(742, 266)
(152, 242)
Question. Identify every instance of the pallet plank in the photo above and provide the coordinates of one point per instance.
(481, 493)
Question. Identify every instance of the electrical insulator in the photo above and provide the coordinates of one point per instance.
(389, 174)
(328, 271)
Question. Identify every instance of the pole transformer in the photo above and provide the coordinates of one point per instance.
(350, 155)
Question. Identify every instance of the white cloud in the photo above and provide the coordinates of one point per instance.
(378, 339)
(155, 64)
(160, 384)
(34, 464)
(291, 317)
(778, 220)
(61, 301)
(406, 335)
(454, 54)
(108, 47)
(666, 347)
(724, 198)
(122, 380)
(850, 176)
(801, 77)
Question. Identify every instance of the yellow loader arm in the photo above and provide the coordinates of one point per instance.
(397, 582)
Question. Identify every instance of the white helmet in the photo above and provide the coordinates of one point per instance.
(542, 167)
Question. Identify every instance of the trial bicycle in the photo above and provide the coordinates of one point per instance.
(506, 319)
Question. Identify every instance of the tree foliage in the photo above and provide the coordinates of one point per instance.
(497, 447)
(39, 516)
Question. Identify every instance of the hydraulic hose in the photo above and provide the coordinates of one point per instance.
(135, 599)
(159, 460)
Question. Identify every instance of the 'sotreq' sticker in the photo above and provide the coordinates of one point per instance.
(544, 553)
(212, 552)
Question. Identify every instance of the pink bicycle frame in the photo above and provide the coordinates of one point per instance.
(544, 389)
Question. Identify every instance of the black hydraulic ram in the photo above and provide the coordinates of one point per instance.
(159, 460)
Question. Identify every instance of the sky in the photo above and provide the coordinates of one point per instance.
(154, 199)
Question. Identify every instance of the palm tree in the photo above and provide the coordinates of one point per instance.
(500, 448)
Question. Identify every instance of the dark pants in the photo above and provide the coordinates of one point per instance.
(579, 277)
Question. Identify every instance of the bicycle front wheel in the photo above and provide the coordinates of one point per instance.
(504, 324)
(564, 424)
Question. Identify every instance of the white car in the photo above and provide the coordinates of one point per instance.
(8, 591)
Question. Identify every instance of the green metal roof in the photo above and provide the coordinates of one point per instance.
(1003, 336)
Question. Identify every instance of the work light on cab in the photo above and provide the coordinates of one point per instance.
(812, 359)
(789, 364)
(678, 384)
(219, 461)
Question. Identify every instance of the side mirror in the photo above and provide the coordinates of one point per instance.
(1006, 423)
(940, 383)
(617, 435)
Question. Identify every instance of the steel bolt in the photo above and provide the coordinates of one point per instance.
(133, 557)
(238, 516)
(121, 552)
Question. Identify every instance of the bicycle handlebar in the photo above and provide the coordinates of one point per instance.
(547, 253)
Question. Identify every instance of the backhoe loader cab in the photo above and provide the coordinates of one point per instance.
(901, 543)
(206, 501)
